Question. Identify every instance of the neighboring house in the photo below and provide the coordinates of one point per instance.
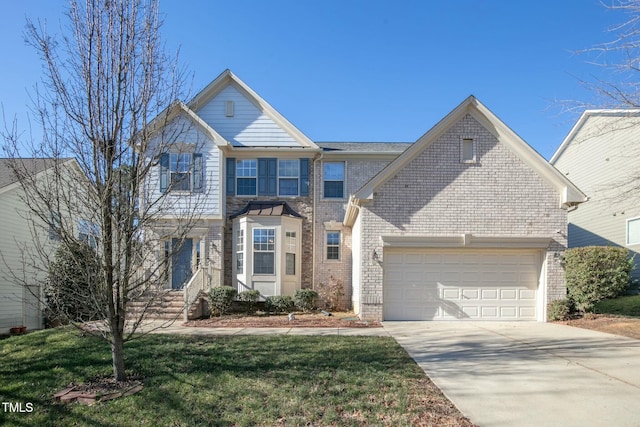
(21, 268)
(469, 222)
(600, 155)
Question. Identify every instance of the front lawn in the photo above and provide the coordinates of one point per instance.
(622, 306)
(225, 381)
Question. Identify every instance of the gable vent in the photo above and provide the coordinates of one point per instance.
(228, 108)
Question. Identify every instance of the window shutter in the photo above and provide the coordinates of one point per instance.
(304, 177)
(197, 172)
(164, 172)
(267, 177)
(231, 176)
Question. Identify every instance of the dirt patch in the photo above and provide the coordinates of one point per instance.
(624, 326)
(300, 320)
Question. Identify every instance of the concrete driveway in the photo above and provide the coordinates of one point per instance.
(527, 373)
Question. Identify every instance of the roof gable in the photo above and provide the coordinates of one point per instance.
(254, 122)
(570, 194)
(618, 118)
(179, 109)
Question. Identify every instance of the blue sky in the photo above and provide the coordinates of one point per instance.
(367, 70)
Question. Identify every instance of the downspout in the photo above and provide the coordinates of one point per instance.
(313, 228)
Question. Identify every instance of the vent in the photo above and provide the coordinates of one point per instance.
(228, 108)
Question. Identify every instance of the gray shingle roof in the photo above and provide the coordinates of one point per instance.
(380, 147)
(33, 165)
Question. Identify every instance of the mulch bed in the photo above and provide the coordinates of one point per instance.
(301, 320)
(617, 325)
(98, 390)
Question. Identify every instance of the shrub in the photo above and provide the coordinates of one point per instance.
(220, 299)
(331, 293)
(279, 304)
(594, 273)
(73, 290)
(304, 299)
(558, 310)
(249, 299)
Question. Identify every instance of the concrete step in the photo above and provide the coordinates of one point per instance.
(167, 305)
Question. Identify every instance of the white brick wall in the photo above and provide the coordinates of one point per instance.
(436, 194)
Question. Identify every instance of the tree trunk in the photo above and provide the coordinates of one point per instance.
(117, 356)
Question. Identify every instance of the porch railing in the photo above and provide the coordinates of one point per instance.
(205, 278)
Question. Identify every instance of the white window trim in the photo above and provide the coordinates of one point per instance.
(255, 177)
(254, 251)
(344, 181)
(474, 144)
(297, 178)
(627, 231)
(326, 246)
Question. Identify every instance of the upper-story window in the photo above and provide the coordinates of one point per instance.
(268, 177)
(288, 177)
(334, 180)
(181, 172)
(633, 231)
(247, 174)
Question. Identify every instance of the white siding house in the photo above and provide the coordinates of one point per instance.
(22, 269)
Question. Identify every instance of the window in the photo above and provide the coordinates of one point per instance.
(88, 232)
(54, 226)
(333, 245)
(181, 172)
(290, 245)
(334, 180)
(267, 177)
(264, 247)
(467, 151)
(246, 173)
(288, 176)
(633, 231)
(240, 251)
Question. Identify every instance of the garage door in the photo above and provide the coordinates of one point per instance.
(460, 284)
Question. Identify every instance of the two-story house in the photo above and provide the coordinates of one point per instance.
(468, 222)
(600, 154)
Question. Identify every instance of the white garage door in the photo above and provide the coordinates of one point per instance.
(460, 284)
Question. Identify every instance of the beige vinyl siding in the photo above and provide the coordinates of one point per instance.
(602, 160)
(249, 126)
(15, 233)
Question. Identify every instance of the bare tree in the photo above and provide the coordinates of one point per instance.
(106, 100)
(619, 61)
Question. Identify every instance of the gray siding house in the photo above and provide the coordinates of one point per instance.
(600, 155)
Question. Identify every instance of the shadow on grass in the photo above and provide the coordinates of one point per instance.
(210, 381)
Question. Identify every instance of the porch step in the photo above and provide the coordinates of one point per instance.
(165, 305)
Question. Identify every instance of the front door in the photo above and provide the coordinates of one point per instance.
(181, 263)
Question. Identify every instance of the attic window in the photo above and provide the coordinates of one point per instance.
(467, 150)
(228, 108)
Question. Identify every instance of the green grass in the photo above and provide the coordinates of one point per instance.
(224, 381)
(621, 306)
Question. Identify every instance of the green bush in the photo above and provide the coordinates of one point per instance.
(558, 310)
(74, 289)
(220, 299)
(249, 300)
(594, 273)
(304, 299)
(279, 304)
